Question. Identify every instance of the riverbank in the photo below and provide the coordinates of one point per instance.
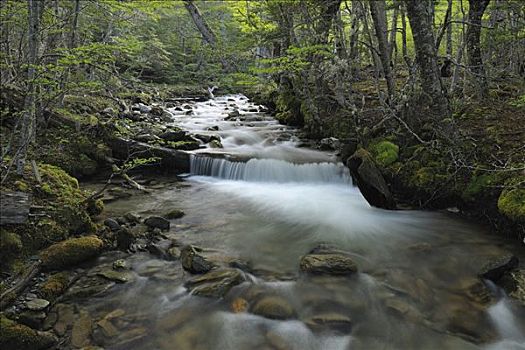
(479, 175)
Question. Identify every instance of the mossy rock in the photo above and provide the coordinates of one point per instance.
(95, 207)
(174, 214)
(54, 286)
(71, 252)
(511, 203)
(10, 246)
(15, 336)
(385, 152)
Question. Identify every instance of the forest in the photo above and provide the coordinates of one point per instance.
(262, 174)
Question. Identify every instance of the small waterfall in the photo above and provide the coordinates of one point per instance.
(269, 170)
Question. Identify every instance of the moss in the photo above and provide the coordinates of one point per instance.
(21, 186)
(511, 203)
(10, 246)
(95, 207)
(54, 286)
(71, 252)
(14, 336)
(183, 145)
(480, 186)
(385, 152)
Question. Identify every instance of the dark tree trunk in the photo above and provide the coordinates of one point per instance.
(378, 11)
(420, 17)
(474, 60)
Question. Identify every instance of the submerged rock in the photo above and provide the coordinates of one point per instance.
(194, 262)
(330, 321)
(273, 307)
(215, 283)
(157, 222)
(495, 268)
(174, 214)
(82, 329)
(370, 180)
(328, 263)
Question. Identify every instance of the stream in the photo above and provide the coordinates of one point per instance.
(266, 200)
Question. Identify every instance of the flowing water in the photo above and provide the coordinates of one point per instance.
(263, 199)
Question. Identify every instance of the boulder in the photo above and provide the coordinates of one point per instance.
(328, 260)
(496, 267)
(216, 144)
(156, 111)
(513, 282)
(329, 144)
(173, 136)
(71, 252)
(207, 138)
(112, 224)
(174, 214)
(17, 336)
(232, 115)
(273, 307)
(193, 261)
(215, 284)
(370, 180)
(157, 222)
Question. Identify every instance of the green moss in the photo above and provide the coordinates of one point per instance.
(511, 203)
(95, 207)
(21, 186)
(183, 145)
(54, 286)
(385, 152)
(14, 336)
(477, 185)
(10, 246)
(71, 252)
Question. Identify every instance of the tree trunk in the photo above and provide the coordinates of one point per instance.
(446, 24)
(420, 18)
(207, 34)
(474, 60)
(393, 33)
(26, 130)
(378, 11)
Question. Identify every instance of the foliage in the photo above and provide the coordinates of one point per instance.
(385, 152)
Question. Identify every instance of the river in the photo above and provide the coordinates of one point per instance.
(265, 199)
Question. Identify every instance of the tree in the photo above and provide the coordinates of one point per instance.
(474, 59)
(378, 11)
(420, 18)
(207, 34)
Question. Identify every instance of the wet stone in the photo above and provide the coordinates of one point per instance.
(33, 319)
(496, 267)
(329, 264)
(216, 283)
(82, 329)
(157, 222)
(117, 276)
(330, 321)
(193, 261)
(273, 307)
(66, 317)
(37, 304)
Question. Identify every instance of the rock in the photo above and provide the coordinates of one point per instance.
(82, 329)
(65, 319)
(513, 282)
(132, 218)
(125, 238)
(273, 307)
(330, 321)
(120, 264)
(174, 214)
(213, 128)
(88, 286)
(215, 283)
(194, 262)
(329, 144)
(370, 180)
(156, 111)
(239, 305)
(112, 224)
(207, 138)
(157, 222)
(108, 328)
(329, 262)
(216, 144)
(33, 319)
(348, 148)
(173, 253)
(232, 115)
(117, 276)
(15, 336)
(495, 268)
(37, 304)
(71, 252)
(108, 111)
(141, 107)
(146, 138)
(173, 136)
(121, 221)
